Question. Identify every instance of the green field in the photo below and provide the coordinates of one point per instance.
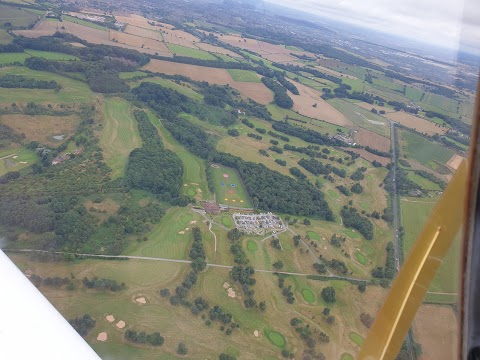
(312, 235)
(10, 159)
(226, 193)
(440, 102)
(252, 246)
(227, 221)
(132, 74)
(356, 338)
(16, 16)
(244, 75)
(413, 94)
(50, 55)
(424, 151)
(308, 295)
(10, 58)
(346, 356)
(275, 338)
(72, 91)
(194, 175)
(193, 53)
(361, 258)
(182, 88)
(84, 22)
(414, 215)
(422, 182)
(119, 136)
(5, 38)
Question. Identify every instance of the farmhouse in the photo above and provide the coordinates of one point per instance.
(258, 224)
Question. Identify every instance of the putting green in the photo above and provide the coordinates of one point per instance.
(308, 295)
(353, 234)
(312, 235)
(356, 338)
(191, 192)
(252, 246)
(332, 194)
(227, 221)
(361, 258)
(275, 338)
(347, 356)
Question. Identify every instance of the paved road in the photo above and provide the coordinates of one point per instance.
(395, 200)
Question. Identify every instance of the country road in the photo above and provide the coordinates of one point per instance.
(181, 261)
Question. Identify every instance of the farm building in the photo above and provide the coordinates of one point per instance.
(211, 207)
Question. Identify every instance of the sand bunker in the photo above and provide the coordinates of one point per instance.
(256, 333)
(231, 293)
(185, 184)
(186, 229)
(181, 232)
(15, 157)
(193, 222)
(102, 336)
(199, 190)
(23, 162)
(226, 285)
(120, 324)
(196, 184)
(141, 300)
(110, 318)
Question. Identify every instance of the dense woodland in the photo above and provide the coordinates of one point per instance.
(281, 97)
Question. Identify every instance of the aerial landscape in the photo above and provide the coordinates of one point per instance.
(223, 179)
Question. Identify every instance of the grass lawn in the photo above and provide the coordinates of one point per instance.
(424, 183)
(244, 75)
(84, 22)
(413, 94)
(72, 91)
(312, 235)
(252, 246)
(5, 38)
(50, 55)
(356, 338)
(424, 151)
(275, 338)
(414, 214)
(119, 136)
(16, 16)
(361, 258)
(131, 74)
(193, 53)
(308, 295)
(229, 188)
(13, 162)
(227, 221)
(347, 356)
(9, 58)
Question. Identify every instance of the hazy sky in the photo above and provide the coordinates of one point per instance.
(434, 21)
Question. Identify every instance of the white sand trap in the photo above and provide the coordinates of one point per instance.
(196, 184)
(102, 336)
(231, 293)
(186, 229)
(110, 318)
(199, 190)
(323, 238)
(226, 285)
(120, 324)
(181, 232)
(256, 333)
(324, 248)
(23, 162)
(141, 300)
(15, 157)
(185, 184)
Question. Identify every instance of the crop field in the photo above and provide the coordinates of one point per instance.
(304, 104)
(413, 93)
(132, 74)
(187, 51)
(72, 91)
(424, 151)
(42, 128)
(143, 32)
(119, 135)
(441, 343)
(244, 75)
(229, 188)
(416, 123)
(218, 50)
(441, 102)
(414, 214)
(369, 138)
(15, 159)
(16, 16)
(49, 55)
(84, 23)
(255, 91)
(362, 117)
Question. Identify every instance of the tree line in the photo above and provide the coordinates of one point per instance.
(353, 219)
(22, 82)
(281, 97)
(308, 135)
